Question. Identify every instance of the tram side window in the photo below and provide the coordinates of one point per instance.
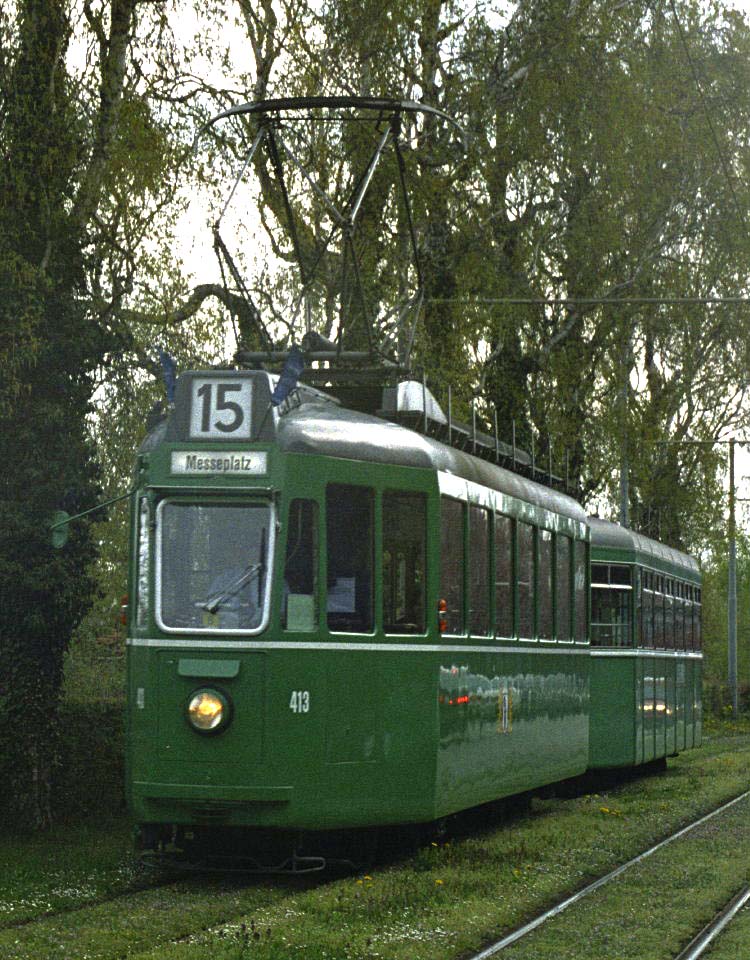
(647, 634)
(525, 580)
(562, 586)
(580, 592)
(452, 562)
(144, 577)
(659, 612)
(349, 530)
(479, 571)
(610, 606)
(679, 617)
(697, 630)
(692, 616)
(545, 584)
(404, 546)
(669, 615)
(300, 594)
(503, 576)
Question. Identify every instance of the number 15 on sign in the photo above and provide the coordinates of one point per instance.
(220, 409)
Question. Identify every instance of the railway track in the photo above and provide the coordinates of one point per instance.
(723, 918)
(130, 891)
(700, 943)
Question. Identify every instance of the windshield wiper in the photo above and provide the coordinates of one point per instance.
(213, 603)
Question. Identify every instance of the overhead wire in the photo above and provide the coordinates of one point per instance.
(586, 301)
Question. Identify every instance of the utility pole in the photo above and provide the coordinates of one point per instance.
(732, 588)
(624, 461)
(732, 570)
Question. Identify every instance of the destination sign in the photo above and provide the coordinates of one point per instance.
(230, 463)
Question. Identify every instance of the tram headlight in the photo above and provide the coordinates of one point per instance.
(208, 711)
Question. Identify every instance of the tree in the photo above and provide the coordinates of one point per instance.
(81, 185)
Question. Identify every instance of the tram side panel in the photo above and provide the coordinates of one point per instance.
(510, 722)
(613, 740)
(514, 675)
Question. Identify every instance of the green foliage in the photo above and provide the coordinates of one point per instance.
(592, 171)
(716, 694)
(81, 184)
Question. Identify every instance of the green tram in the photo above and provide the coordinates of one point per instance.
(338, 622)
(646, 659)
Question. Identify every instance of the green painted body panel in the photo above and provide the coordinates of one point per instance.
(389, 736)
(525, 724)
(644, 705)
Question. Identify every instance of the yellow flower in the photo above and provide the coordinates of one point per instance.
(366, 877)
(438, 881)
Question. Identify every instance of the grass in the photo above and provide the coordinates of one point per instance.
(75, 893)
(447, 900)
(454, 897)
(653, 910)
(69, 867)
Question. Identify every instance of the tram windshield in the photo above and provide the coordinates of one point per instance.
(214, 563)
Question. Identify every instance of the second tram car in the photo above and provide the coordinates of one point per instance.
(339, 622)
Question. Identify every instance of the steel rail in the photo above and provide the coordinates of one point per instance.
(698, 945)
(527, 928)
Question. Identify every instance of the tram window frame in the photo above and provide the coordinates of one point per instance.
(648, 604)
(612, 608)
(564, 587)
(143, 564)
(305, 615)
(581, 591)
(659, 616)
(680, 619)
(698, 622)
(693, 615)
(409, 575)
(637, 607)
(479, 571)
(355, 554)
(264, 586)
(669, 614)
(504, 589)
(545, 584)
(526, 541)
(452, 576)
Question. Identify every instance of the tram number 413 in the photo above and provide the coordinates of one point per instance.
(299, 702)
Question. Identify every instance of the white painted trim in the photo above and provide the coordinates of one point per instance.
(211, 646)
(686, 654)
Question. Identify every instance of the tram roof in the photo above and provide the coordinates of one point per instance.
(617, 542)
(317, 423)
(332, 431)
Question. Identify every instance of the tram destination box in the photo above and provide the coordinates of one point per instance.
(222, 405)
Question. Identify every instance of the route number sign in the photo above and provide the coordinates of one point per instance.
(221, 409)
